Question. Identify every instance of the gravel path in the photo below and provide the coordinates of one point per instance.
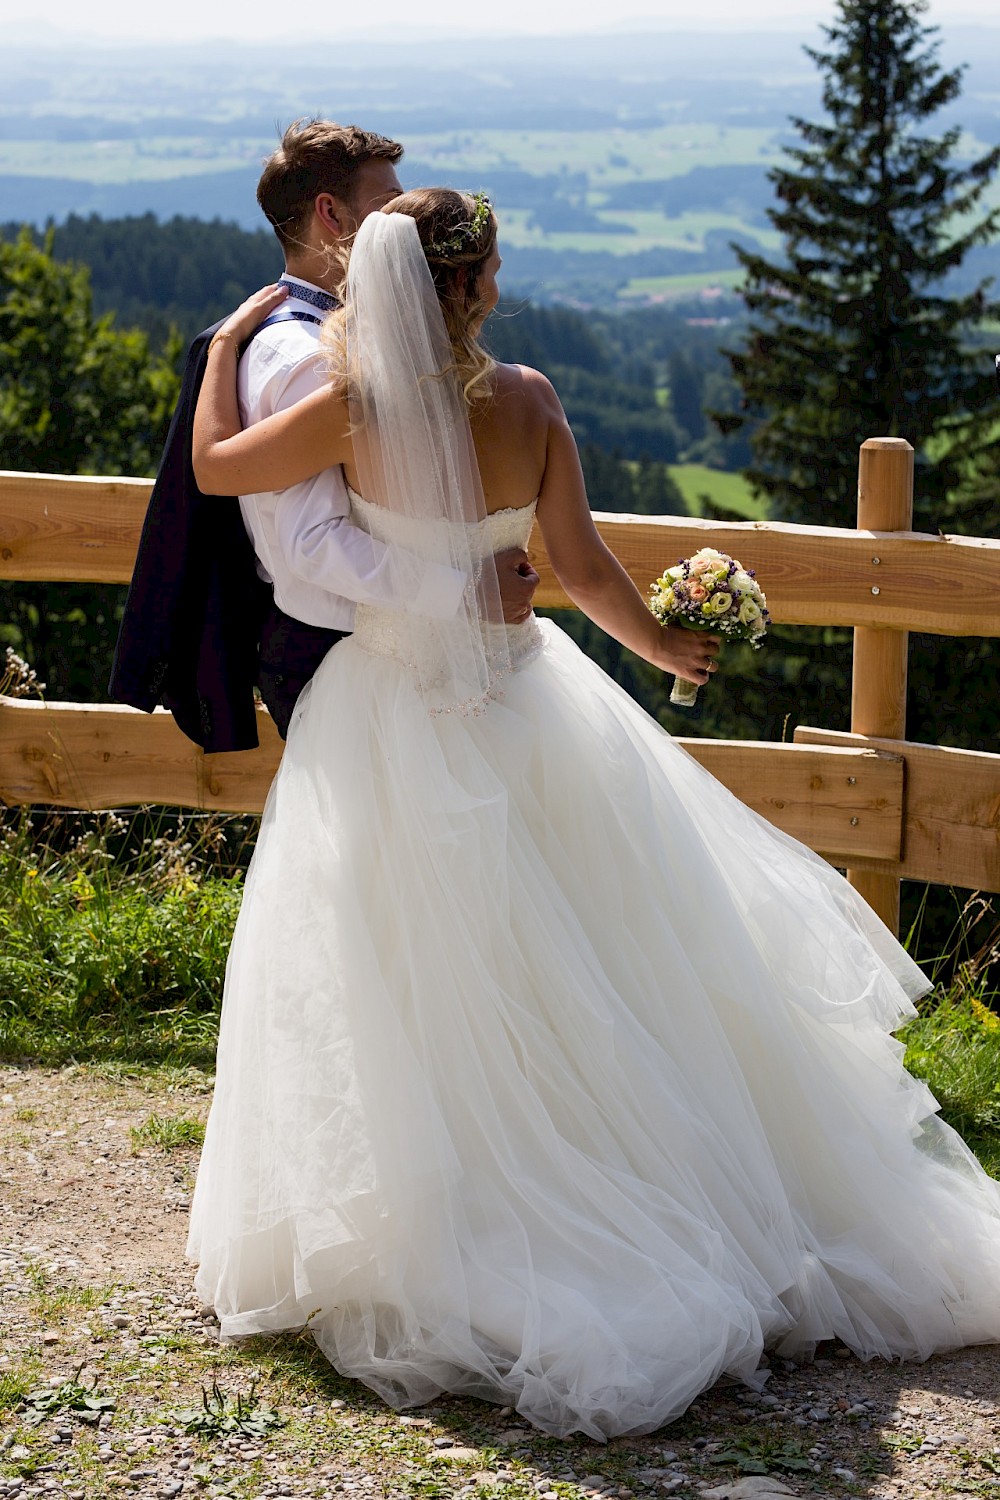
(96, 1297)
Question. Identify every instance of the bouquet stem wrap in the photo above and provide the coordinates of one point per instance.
(684, 693)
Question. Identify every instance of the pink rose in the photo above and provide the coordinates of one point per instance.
(697, 592)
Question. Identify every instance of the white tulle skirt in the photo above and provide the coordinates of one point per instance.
(549, 1073)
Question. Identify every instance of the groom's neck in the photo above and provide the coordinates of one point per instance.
(315, 267)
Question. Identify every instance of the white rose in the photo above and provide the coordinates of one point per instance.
(749, 611)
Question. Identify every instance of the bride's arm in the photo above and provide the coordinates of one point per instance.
(273, 454)
(589, 571)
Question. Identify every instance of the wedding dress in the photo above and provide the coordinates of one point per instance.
(552, 1074)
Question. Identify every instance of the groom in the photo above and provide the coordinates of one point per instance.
(228, 593)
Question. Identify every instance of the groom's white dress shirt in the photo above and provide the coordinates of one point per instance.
(319, 562)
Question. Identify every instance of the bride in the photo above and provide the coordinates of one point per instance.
(548, 1072)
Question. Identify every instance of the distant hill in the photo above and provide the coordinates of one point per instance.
(623, 163)
(212, 195)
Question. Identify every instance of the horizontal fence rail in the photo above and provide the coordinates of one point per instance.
(951, 810)
(869, 801)
(846, 802)
(58, 529)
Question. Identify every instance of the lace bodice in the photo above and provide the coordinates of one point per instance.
(386, 632)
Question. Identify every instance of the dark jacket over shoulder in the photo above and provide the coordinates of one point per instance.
(189, 636)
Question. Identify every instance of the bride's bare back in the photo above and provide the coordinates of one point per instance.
(511, 436)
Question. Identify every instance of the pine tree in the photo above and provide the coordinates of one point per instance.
(858, 332)
(853, 333)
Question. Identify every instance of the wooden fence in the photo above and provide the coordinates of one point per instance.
(872, 803)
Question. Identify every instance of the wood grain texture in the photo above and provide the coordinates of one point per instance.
(846, 803)
(820, 575)
(951, 810)
(878, 679)
(885, 503)
(85, 756)
(54, 528)
(60, 529)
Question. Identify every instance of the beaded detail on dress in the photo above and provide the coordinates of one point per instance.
(385, 632)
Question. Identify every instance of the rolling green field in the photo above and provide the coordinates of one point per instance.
(728, 490)
(539, 177)
(651, 231)
(623, 164)
(663, 288)
(121, 161)
(608, 157)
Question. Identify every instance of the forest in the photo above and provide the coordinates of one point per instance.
(635, 383)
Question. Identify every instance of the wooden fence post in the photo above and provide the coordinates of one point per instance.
(878, 684)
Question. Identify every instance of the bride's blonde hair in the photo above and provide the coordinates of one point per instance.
(458, 233)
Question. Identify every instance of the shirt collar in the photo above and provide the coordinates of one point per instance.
(309, 292)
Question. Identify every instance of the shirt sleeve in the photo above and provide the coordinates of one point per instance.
(321, 544)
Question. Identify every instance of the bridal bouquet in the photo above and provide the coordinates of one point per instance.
(712, 592)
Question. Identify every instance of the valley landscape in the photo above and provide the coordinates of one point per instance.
(623, 166)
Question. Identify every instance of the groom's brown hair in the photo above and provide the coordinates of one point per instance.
(316, 156)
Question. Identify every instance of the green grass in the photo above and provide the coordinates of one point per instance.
(730, 491)
(684, 231)
(168, 1132)
(17, 1380)
(954, 1046)
(665, 151)
(52, 1299)
(104, 958)
(954, 1042)
(51, 1303)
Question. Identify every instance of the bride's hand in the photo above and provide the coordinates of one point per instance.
(689, 653)
(240, 325)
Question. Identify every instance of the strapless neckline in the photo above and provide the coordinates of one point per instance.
(383, 631)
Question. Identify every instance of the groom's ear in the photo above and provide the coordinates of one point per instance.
(333, 214)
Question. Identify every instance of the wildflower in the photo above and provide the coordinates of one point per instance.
(988, 1019)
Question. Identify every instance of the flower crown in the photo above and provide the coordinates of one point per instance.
(466, 234)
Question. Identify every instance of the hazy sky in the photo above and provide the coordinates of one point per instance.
(182, 20)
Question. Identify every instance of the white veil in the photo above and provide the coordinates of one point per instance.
(415, 456)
